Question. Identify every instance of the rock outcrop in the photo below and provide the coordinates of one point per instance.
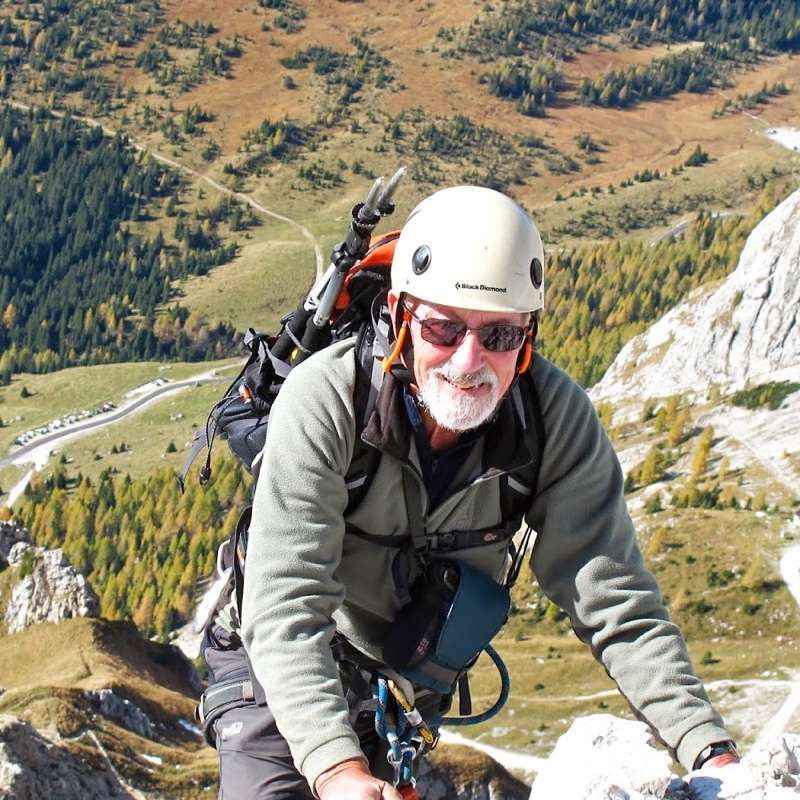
(10, 534)
(32, 767)
(122, 711)
(50, 589)
(457, 772)
(746, 330)
(602, 757)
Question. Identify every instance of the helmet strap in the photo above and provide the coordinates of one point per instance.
(398, 344)
(526, 354)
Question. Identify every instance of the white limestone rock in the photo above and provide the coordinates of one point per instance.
(602, 757)
(743, 331)
(605, 758)
(51, 590)
(31, 766)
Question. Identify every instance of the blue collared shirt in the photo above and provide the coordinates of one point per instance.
(438, 469)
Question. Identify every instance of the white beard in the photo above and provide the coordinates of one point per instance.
(462, 413)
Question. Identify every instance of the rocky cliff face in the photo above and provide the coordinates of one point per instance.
(747, 330)
(33, 767)
(50, 588)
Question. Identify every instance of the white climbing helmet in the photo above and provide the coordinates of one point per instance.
(471, 247)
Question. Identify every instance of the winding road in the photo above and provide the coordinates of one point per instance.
(39, 449)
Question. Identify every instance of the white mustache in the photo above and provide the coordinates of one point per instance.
(465, 380)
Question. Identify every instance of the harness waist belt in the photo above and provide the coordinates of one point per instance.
(221, 696)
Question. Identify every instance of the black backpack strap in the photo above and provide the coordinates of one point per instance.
(243, 410)
(518, 489)
(369, 378)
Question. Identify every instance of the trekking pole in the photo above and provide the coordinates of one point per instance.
(305, 331)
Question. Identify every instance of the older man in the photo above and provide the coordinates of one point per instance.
(328, 588)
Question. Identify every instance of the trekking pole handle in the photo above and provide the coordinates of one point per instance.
(365, 216)
(385, 201)
(313, 314)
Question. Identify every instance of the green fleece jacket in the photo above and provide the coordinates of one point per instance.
(307, 578)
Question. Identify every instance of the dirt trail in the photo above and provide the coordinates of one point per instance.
(210, 181)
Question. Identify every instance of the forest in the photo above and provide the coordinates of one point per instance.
(529, 39)
(77, 286)
(516, 27)
(142, 544)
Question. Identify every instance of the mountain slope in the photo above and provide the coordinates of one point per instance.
(736, 336)
(286, 96)
(104, 698)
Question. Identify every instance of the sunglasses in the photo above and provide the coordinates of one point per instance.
(451, 332)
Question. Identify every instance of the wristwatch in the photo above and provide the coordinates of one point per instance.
(713, 750)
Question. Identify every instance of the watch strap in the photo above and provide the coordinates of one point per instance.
(713, 750)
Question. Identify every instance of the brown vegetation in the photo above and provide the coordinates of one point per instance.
(651, 136)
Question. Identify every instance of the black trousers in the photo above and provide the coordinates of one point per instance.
(254, 759)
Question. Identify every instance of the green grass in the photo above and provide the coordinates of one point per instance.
(708, 553)
(67, 391)
(256, 289)
(770, 395)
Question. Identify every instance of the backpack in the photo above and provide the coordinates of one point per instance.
(242, 413)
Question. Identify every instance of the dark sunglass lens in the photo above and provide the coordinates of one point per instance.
(501, 338)
(443, 332)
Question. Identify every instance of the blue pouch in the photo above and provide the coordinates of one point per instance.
(454, 612)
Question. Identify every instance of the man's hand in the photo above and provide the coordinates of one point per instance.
(351, 780)
(718, 779)
(721, 761)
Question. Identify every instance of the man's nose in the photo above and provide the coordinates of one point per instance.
(470, 355)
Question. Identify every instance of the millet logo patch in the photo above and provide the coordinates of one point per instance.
(231, 730)
(481, 287)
